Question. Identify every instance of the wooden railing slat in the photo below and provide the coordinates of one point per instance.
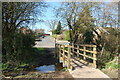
(66, 59)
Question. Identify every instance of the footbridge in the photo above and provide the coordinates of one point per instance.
(80, 60)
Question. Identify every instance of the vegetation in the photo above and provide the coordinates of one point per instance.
(87, 26)
(67, 34)
(54, 36)
(36, 58)
(58, 30)
(88, 23)
(17, 48)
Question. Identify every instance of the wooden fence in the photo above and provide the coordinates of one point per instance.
(84, 53)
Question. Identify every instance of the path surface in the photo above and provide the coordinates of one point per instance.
(47, 42)
(82, 71)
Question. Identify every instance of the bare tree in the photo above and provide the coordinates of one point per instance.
(51, 24)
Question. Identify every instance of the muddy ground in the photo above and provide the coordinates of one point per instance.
(45, 57)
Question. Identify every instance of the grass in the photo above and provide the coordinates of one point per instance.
(113, 65)
(54, 35)
(41, 49)
(111, 68)
(67, 35)
(34, 59)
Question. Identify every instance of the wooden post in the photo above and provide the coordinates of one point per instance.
(78, 51)
(94, 56)
(59, 52)
(56, 51)
(73, 47)
(84, 47)
(69, 57)
(63, 55)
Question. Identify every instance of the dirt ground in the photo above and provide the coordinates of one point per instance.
(57, 74)
(46, 57)
(39, 75)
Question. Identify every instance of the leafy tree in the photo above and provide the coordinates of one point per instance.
(15, 15)
(84, 25)
(59, 28)
(69, 14)
(88, 37)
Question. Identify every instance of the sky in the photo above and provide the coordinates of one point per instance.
(48, 15)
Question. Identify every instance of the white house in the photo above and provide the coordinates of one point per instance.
(50, 32)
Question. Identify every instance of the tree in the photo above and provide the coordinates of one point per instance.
(15, 15)
(86, 18)
(51, 24)
(84, 25)
(69, 13)
(88, 37)
(59, 28)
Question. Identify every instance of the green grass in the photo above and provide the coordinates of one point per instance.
(66, 49)
(41, 49)
(112, 65)
(67, 35)
(34, 59)
(54, 35)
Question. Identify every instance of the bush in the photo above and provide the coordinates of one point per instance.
(54, 35)
(67, 35)
(54, 32)
(112, 64)
(17, 47)
(103, 59)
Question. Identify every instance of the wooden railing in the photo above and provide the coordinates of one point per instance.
(84, 53)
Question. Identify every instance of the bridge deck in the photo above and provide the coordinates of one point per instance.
(80, 70)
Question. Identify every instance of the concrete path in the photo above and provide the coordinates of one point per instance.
(82, 71)
(47, 42)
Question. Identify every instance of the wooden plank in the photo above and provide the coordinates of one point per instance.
(63, 54)
(84, 47)
(88, 51)
(77, 50)
(66, 45)
(66, 57)
(86, 56)
(85, 62)
(59, 51)
(94, 55)
(69, 56)
(87, 45)
(66, 51)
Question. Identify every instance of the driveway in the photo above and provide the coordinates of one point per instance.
(47, 42)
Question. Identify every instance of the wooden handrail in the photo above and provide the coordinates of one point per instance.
(71, 51)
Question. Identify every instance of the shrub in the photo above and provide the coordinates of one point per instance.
(112, 64)
(67, 35)
(19, 49)
(54, 36)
